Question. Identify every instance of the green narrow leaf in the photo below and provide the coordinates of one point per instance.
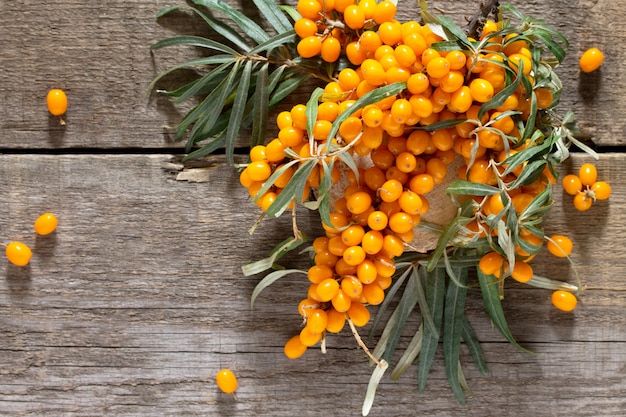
(272, 179)
(269, 280)
(264, 264)
(273, 15)
(372, 97)
(260, 106)
(377, 375)
(497, 100)
(323, 198)
(491, 297)
(212, 60)
(435, 293)
(239, 106)
(454, 313)
(530, 127)
(217, 143)
(518, 158)
(219, 71)
(286, 87)
(216, 101)
(405, 307)
(398, 281)
(443, 124)
(293, 190)
(473, 345)
(311, 110)
(531, 172)
(455, 32)
(460, 187)
(247, 25)
(427, 316)
(167, 10)
(273, 42)
(190, 40)
(410, 354)
(223, 29)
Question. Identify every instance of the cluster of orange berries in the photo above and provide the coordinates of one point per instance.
(493, 263)
(585, 187)
(328, 27)
(19, 253)
(374, 218)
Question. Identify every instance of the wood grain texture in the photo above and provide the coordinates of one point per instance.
(137, 299)
(135, 302)
(99, 52)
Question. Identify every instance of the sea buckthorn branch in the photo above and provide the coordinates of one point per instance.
(406, 107)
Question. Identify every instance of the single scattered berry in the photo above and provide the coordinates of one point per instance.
(18, 253)
(57, 103)
(46, 224)
(226, 381)
(591, 60)
(563, 300)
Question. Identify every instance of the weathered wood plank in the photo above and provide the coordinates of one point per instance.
(137, 300)
(99, 53)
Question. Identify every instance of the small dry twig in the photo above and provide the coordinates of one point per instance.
(475, 24)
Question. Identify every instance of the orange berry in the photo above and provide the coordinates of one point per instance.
(354, 255)
(18, 253)
(591, 60)
(309, 9)
(588, 174)
(522, 272)
(226, 381)
(385, 11)
(305, 27)
(46, 224)
(359, 314)
(491, 263)
(316, 321)
(372, 242)
(373, 293)
(481, 90)
(391, 190)
(309, 339)
(438, 67)
(601, 190)
(564, 300)
(352, 286)
(56, 101)
(331, 49)
(560, 246)
(582, 202)
(377, 220)
(327, 289)
(359, 202)
(401, 222)
(354, 17)
(309, 47)
(572, 184)
(341, 303)
(294, 348)
(336, 321)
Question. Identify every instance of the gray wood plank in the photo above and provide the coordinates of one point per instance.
(137, 300)
(99, 53)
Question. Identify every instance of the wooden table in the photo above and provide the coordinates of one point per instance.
(137, 300)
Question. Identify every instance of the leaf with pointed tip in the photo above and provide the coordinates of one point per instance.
(269, 280)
